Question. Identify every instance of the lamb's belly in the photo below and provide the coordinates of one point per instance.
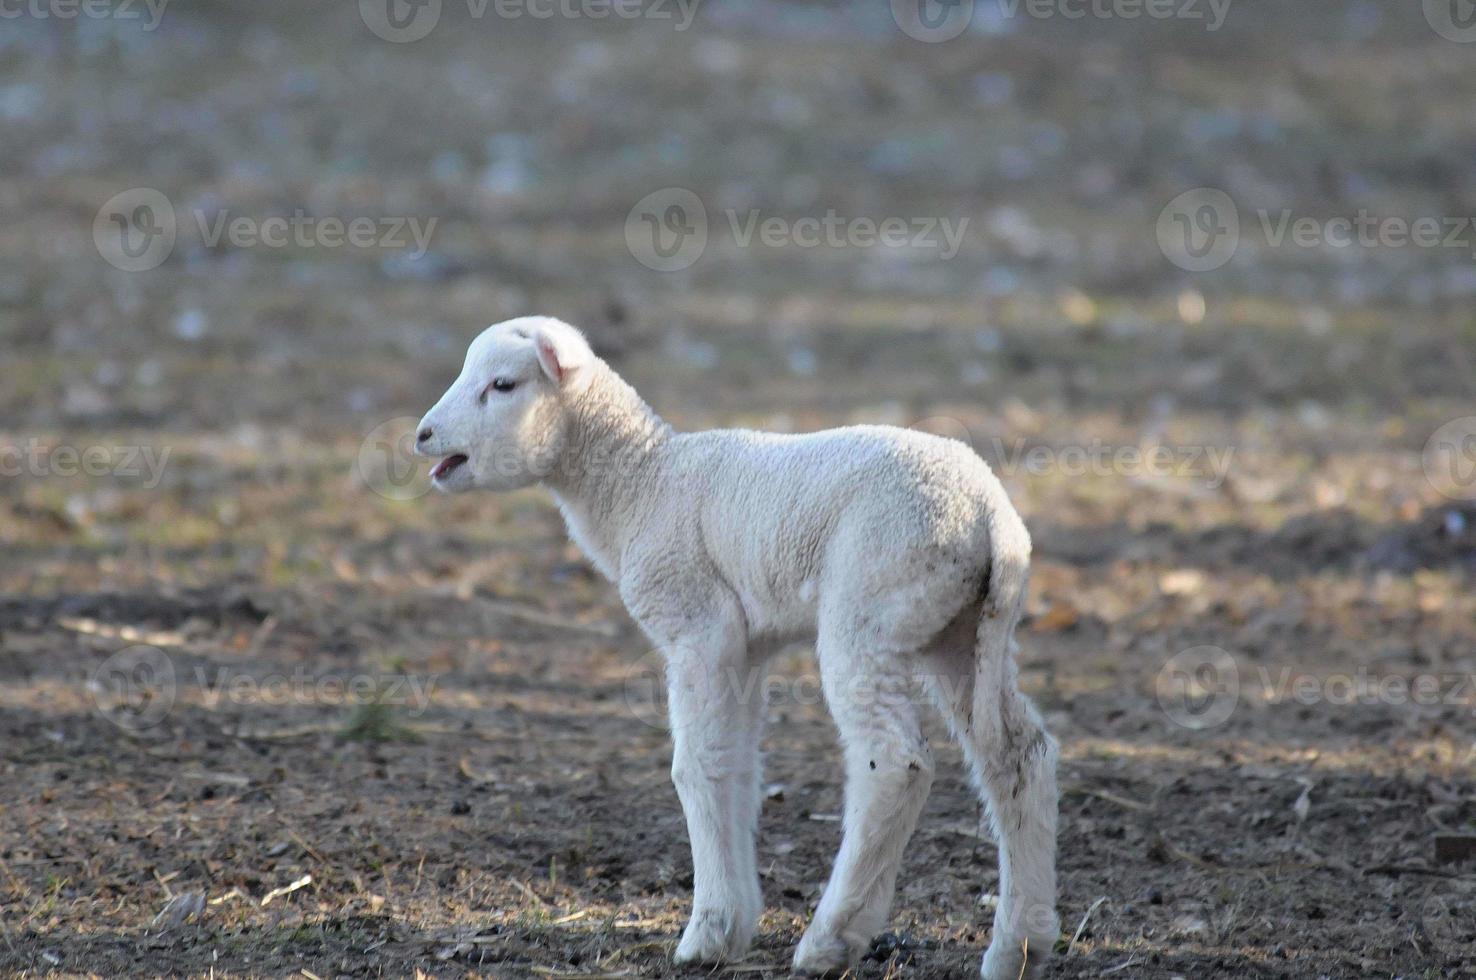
(780, 612)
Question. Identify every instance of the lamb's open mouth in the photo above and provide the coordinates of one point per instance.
(447, 466)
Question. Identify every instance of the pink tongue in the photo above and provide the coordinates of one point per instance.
(448, 464)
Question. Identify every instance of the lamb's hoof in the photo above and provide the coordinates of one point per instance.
(1017, 959)
(820, 956)
(713, 936)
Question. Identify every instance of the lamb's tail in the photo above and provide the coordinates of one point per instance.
(1004, 601)
(1008, 580)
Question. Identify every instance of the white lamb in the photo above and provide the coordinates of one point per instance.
(897, 552)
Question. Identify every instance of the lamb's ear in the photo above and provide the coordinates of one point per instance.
(562, 351)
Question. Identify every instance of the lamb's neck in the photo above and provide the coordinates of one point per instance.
(613, 436)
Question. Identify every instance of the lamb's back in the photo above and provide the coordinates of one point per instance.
(778, 512)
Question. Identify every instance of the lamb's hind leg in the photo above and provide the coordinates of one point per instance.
(889, 770)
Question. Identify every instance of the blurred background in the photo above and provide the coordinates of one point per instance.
(1195, 277)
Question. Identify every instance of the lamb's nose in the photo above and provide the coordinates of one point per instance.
(424, 434)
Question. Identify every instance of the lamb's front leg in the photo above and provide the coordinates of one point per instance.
(716, 717)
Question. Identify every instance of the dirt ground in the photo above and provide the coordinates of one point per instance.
(269, 709)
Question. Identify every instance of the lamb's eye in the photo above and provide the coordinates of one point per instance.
(503, 385)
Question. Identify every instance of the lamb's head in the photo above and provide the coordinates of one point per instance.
(503, 423)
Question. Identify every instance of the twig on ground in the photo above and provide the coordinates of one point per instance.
(302, 843)
(1081, 926)
(263, 633)
(1162, 847)
(464, 767)
(302, 882)
(225, 778)
(164, 881)
(1102, 794)
(528, 614)
(534, 896)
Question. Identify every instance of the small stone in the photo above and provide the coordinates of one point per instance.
(890, 944)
